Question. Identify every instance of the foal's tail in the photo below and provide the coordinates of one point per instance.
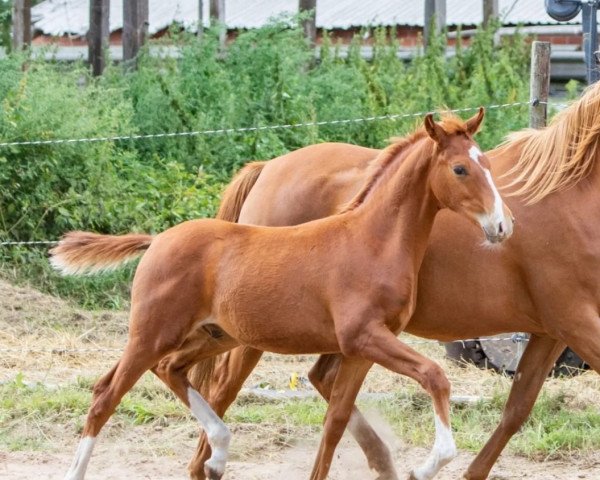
(232, 200)
(85, 252)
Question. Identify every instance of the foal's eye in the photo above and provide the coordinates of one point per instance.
(459, 170)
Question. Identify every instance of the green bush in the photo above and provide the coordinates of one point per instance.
(267, 76)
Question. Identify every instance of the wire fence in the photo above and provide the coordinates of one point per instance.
(224, 131)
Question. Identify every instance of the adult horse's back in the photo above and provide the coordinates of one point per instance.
(545, 280)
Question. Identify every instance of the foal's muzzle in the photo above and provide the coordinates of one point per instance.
(497, 229)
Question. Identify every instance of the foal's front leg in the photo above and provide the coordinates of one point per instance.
(374, 342)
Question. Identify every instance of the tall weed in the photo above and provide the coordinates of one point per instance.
(267, 76)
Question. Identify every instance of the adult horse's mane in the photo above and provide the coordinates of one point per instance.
(380, 165)
(557, 157)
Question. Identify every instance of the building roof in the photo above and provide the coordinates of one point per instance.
(71, 17)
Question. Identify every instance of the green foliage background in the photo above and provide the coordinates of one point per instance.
(267, 76)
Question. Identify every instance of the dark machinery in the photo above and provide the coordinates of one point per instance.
(503, 352)
(565, 10)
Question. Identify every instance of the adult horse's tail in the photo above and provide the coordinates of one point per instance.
(232, 200)
(85, 252)
(237, 191)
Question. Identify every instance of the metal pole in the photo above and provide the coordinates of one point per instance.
(590, 40)
(539, 84)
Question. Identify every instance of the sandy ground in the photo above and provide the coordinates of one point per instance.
(119, 459)
(35, 327)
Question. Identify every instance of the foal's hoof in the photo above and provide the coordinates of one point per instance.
(211, 473)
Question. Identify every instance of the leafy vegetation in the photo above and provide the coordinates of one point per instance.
(265, 77)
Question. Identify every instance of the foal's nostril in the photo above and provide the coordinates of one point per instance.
(500, 229)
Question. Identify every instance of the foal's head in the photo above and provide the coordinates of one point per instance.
(461, 178)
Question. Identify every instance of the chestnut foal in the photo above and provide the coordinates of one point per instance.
(344, 284)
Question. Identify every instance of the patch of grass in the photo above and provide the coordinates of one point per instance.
(554, 430)
(108, 290)
(306, 412)
(29, 413)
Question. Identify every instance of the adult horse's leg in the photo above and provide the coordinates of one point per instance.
(374, 342)
(534, 367)
(583, 336)
(322, 375)
(349, 377)
(227, 379)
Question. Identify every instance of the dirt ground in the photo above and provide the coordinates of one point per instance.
(133, 459)
(35, 328)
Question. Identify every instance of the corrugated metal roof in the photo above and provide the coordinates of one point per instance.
(60, 17)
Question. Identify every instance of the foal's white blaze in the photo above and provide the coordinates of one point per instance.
(82, 458)
(442, 452)
(498, 214)
(217, 432)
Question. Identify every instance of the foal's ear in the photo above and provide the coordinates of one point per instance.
(435, 131)
(474, 122)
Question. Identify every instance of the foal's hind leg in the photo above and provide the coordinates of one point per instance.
(322, 376)
(348, 380)
(173, 371)
(107, 395)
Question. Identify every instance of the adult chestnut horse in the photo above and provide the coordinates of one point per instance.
(345, 283)
(545, 280)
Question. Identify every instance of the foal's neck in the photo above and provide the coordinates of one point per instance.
(400, 211)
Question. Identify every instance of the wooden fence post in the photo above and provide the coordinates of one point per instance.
(98, 34)
(310, 24)
(135, 28)
(490, 11)
(539, 86)
(217, 12)
(434, 9)
(21, 23)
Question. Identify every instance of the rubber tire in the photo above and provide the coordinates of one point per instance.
(568, 364)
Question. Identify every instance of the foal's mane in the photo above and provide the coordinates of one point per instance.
(562, 154)
(398, 145)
